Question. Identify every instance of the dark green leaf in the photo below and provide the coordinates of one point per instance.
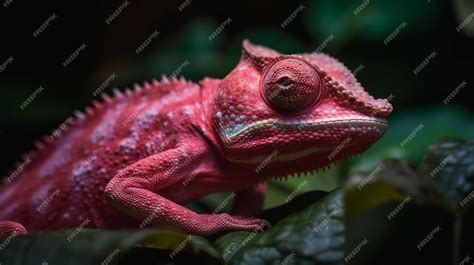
(451, 165)
(421, 205)
(312, 236)
(91, 246)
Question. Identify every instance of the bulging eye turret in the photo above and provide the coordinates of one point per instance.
(291, 85)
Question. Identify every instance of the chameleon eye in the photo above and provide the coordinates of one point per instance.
(291, 84)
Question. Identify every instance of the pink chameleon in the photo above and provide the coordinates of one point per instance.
(140, 156)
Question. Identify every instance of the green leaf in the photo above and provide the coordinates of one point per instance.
(424, 205)
(451, 165)
(391, 181)
(91, 246)
(314, 235)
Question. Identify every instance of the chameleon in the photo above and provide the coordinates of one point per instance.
(136, 158)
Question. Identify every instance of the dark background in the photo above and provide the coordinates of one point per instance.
(358, 40)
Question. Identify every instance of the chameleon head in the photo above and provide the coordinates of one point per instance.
(298, 107)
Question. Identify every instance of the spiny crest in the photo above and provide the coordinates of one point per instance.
(46, 143)
(161, 87)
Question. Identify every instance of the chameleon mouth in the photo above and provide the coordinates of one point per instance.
(377, 124)
(284, 157)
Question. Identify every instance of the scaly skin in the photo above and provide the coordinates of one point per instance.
(135, 159)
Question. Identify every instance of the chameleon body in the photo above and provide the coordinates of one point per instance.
(136, 158)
